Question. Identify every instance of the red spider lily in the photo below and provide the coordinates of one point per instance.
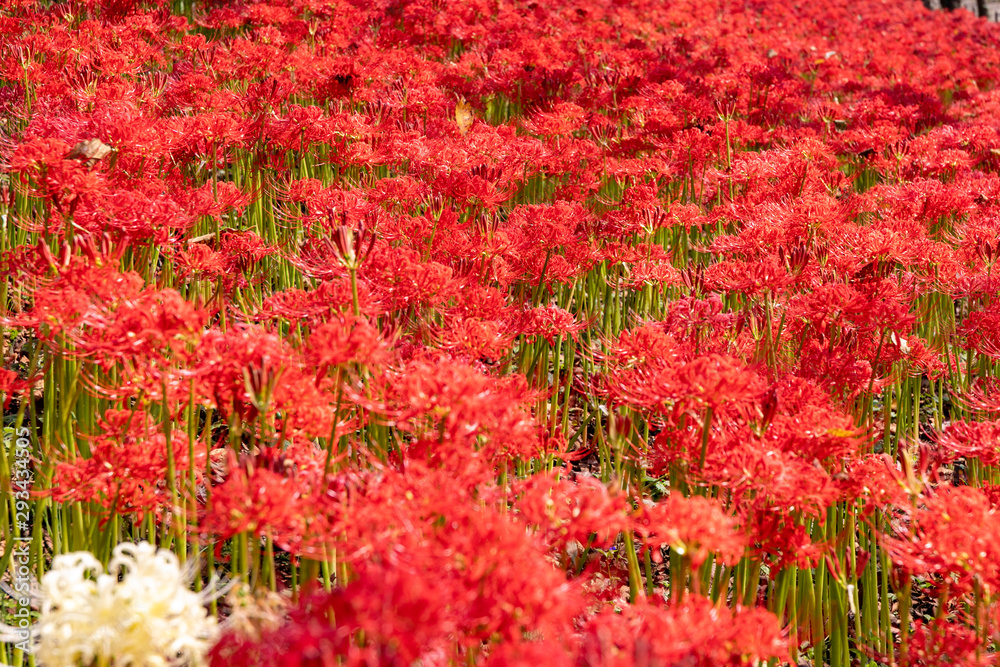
(259, 501)
(50, 175)
(952, 535)
(477, 338)
(547, 323)
(830, 436)
(399, 617)
(206, 202)
(460, 402)
(243, 250)
(979, 439)
(877, 480)
(127, 466)
(713, 381)
(11, 384)
(981, 330)
(248, 374)
(699, 321)
(940, 642)
(402, 281)
(328, 300)
(566, 511)
(344, 341)
(692, 527)
(198, 259)
(141, 216)
(426, 554)
(782, 539)
(530, 653)
(982, 395)
(694, 632)
(110, 317)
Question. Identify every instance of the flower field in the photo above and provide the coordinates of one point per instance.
(499, 332)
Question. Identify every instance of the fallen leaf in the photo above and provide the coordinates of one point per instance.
(463, 116)
(91, 151)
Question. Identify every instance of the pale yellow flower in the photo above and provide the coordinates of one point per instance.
(142, 612)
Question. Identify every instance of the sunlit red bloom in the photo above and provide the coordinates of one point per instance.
(692, 527)
(566, 511)
(952, 534)
(127, 467)
(695, 632)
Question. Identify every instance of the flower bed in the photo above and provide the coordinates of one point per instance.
(583, 333)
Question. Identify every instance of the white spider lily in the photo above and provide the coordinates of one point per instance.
(141, 612)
